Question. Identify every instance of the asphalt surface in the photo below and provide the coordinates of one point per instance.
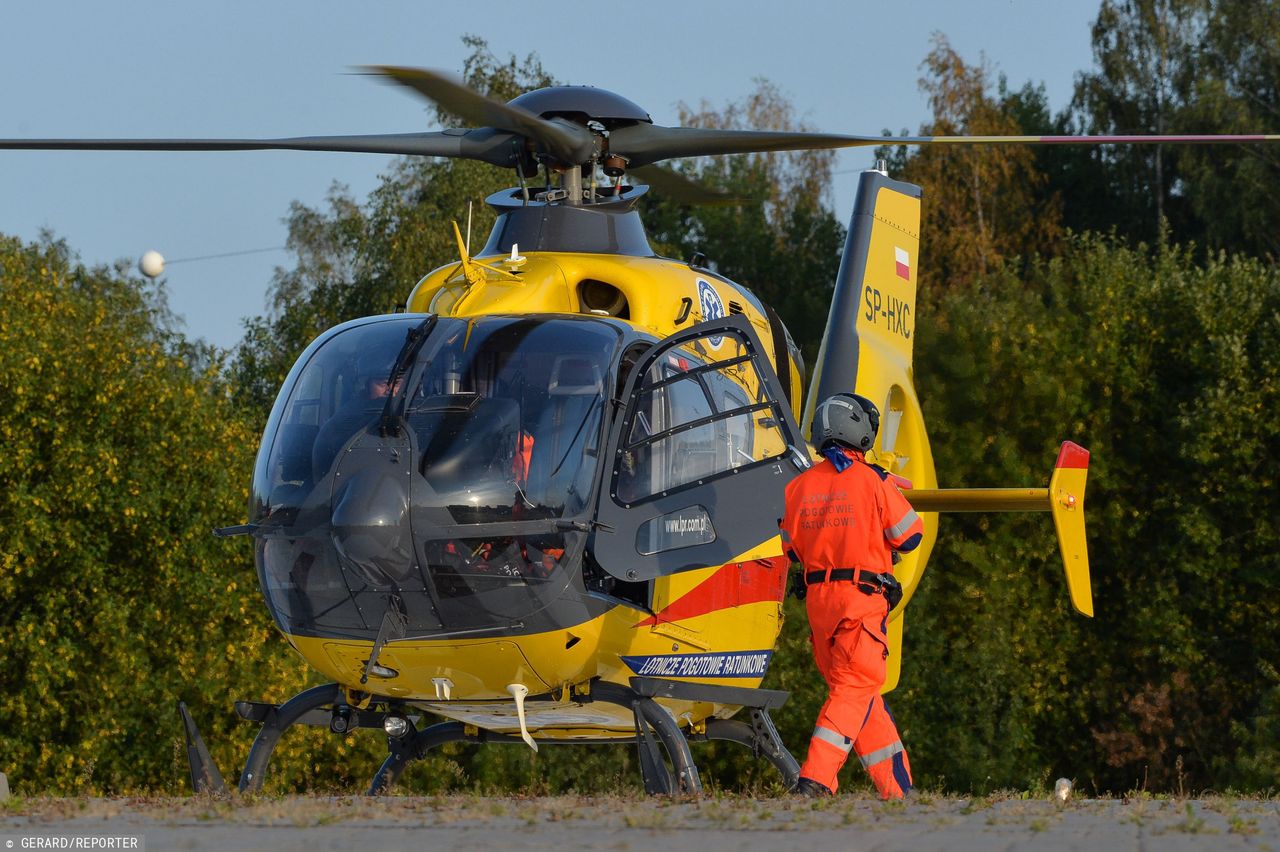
(657, 825)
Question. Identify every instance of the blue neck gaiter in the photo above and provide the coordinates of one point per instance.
(838, 456)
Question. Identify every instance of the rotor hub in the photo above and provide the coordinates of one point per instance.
(582, 104)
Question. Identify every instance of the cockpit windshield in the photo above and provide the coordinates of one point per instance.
(436, 468)
(507, 416)
(504, 414)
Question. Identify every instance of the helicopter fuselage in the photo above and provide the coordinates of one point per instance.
(448, 486)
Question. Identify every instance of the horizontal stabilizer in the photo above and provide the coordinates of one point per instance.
(1064, 498)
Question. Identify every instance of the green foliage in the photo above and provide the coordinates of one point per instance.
(115, 601)
(1179, 66)
(983, 204)
(1169, 372)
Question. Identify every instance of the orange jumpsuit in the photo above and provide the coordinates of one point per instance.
(850, 519)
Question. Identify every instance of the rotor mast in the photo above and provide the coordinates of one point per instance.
(571, 183)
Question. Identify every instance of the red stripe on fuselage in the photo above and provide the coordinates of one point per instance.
(735, 584)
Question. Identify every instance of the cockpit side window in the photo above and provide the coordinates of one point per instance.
(700, 413)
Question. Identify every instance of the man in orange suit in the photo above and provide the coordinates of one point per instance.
(844, 521)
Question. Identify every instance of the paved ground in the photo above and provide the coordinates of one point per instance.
(572, 822)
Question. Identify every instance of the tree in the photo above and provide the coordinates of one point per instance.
(1179, 66)
(1142, 50)
(1235, 88)
(981, 204)
(1165, 367)
(120, 456)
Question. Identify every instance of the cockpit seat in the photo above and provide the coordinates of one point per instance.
(338, 430)
(568, 425)
(297, 441)
(465, 439)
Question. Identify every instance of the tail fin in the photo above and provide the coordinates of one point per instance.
(874, 301)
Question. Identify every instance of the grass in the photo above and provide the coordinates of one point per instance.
(975, 804)
(999, 813)
(1192, 823)
(1237, 824)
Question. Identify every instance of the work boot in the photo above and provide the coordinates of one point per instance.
(812, 789)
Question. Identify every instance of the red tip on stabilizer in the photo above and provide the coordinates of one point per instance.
(1073, 455)
(900, 481)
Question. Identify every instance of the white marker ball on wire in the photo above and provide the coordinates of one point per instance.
(151, 264)
(1062, 791)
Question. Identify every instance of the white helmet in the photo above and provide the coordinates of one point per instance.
(848, 419)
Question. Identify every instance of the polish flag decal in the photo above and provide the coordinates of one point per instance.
(903, 263)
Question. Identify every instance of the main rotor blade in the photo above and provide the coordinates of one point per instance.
(1166, 139)
(683, 189)
(486, 144)
(569, 143)
(643, 144)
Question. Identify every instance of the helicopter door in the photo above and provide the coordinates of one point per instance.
(700, 455)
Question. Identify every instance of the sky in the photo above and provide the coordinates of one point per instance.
(268, 68)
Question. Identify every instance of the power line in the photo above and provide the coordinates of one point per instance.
(225, 254)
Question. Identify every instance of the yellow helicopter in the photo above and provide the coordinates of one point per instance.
(541, 504)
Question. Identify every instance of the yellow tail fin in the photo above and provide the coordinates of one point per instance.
(871, 327)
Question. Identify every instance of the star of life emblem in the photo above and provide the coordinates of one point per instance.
(712, 308)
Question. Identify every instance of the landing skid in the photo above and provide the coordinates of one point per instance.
(656, 732)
